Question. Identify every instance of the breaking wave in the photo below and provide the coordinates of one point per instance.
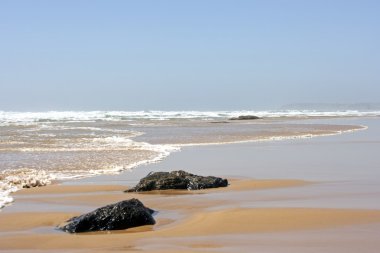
(7, 118)
(12, 180)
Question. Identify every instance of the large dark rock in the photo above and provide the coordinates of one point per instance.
(177, 180)
(245, 117)
(121, 215)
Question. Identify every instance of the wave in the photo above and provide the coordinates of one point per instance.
(50, 138)
(275, 138)
(108, 143)
(12, 180)
(7, 118)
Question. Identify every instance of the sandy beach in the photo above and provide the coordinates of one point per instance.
(268, 206)
(182, 217)
(189, 126)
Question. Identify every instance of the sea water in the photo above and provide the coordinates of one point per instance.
(37, 148)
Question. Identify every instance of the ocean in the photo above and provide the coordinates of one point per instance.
(38, 148)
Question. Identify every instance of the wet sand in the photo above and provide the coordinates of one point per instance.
(182, 217)
(329, 211)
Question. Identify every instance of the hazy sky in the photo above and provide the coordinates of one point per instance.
(174, 55)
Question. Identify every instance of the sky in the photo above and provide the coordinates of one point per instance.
(187, 55)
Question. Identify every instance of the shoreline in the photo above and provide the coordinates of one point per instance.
(171, 148)
(277, 138)
(249, 215)
(181, 216)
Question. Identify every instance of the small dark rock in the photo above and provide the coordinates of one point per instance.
(219, 122)
(177, 180)
(245, 117)
(121, 215)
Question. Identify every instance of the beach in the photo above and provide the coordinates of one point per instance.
(189, 126)
(291, 195)
(187, 222)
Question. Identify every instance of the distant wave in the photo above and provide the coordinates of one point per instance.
(72, 116)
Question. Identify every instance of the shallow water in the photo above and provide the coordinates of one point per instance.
(345, 168)
(38, 148)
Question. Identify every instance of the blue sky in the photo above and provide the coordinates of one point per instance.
(185, 55)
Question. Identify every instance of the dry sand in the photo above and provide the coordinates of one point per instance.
(183, 216)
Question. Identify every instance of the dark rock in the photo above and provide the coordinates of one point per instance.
(177, 180)
(121, 215)
(245, 117)
(219, 122)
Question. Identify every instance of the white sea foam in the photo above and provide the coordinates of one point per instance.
(46, 139)
(5, 191)
(26, 118)
(14, 180)
(114, 143)
(48, 132)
